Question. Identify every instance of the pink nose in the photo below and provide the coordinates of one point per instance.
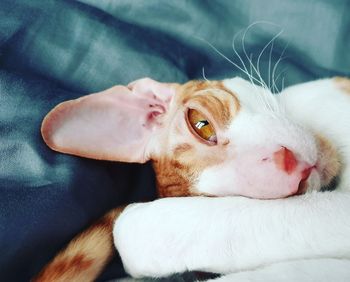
(285, 160)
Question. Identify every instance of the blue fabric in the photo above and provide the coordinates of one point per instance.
(52, 51)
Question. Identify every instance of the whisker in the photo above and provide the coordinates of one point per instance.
(276, 65)
(222, 55)
(238, 56)
(251, 66)
(261, 82)
(264, 88)
(250, 72)
(271, 42)
(203, 74)
(244, 50)
(269, 67)
(278, 76)
(270, 100)
(263, 50)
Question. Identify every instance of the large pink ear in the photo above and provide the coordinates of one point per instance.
(116, 124)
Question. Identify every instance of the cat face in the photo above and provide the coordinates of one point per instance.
(214, 138)
(233, 138)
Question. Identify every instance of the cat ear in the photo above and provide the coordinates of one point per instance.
(116, 124)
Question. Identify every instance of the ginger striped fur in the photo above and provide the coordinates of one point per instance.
(85, 256)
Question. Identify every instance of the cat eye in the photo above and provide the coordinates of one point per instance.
(201, 126)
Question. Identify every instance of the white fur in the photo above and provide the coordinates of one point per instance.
(227, 235)
(318, 270)
(259, 129)
(324, 108)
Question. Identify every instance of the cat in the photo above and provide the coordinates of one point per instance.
(210, 138)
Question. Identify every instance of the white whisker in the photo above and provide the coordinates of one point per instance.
(277, 77)
(222, 55)
(250, 66)
(276, 65)
(261, 82)
(239, 57)
(282, 84)
(203, 74)
(263, 50)
(269, 67)
(253, 72)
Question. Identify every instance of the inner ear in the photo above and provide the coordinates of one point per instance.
(116, 124)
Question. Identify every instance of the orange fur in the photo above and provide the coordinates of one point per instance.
(222, 112)
(330, 153)
(343, 83)
(85, 256)
(177, 168)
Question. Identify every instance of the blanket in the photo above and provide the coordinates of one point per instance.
(55, 50)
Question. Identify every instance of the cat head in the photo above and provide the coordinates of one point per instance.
(215, 138)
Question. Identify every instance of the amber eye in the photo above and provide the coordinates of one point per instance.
(201, 126)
